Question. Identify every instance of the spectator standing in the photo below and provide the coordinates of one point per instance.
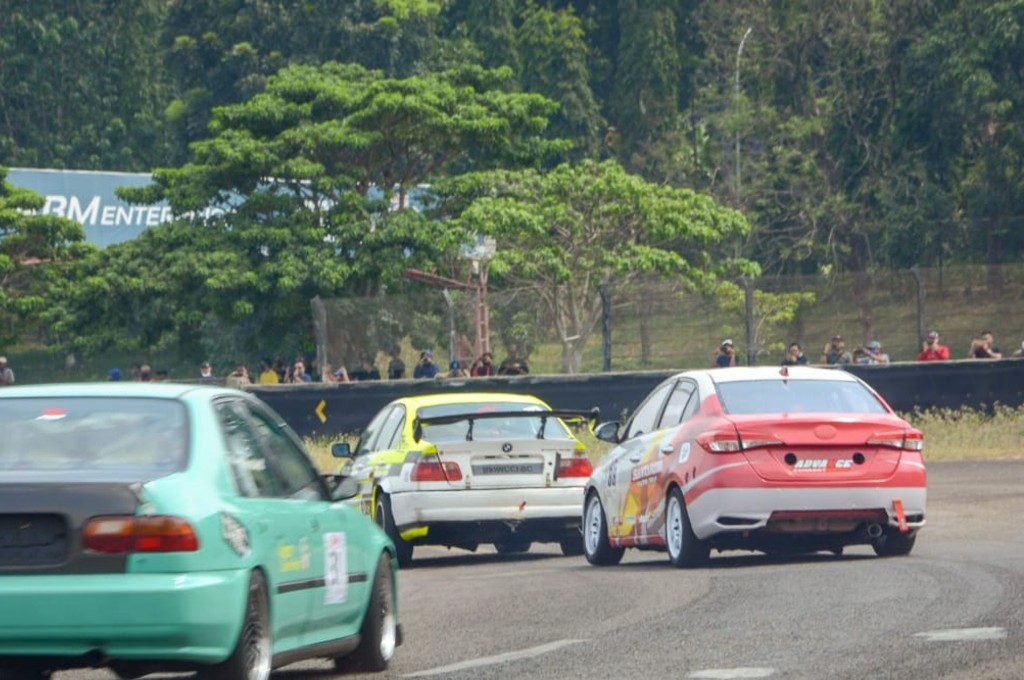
(366, 371)
(268, 376)
(455, 370)
(872, 353)
(6, 373)
(145, 374)
(206, 373)
(483, 367)
(281, 367)
(513, 364)
(835, 352)
(426, 368)
(795, 356)
(338, 375)
(114, 375)
(298, 374)
(932, 350)
(396, 367)
(725, 356)
(983, 347)
(239, 377)
(162, 375)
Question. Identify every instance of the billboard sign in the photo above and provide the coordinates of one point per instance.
(88, 198)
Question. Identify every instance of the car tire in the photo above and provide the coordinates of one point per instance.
(894, 543)
(596, 547)
(512, 545)
(684, 548)
(386, 521)
(572, 546)
(379, 632)
(251, 658)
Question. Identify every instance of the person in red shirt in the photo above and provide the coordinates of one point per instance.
(931, 350)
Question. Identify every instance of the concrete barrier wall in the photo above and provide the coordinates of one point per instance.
(326, 410)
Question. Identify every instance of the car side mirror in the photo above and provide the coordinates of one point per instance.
(340, 487)
(608, 432)
(341, 450)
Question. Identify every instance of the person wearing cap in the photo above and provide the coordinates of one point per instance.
(455, 370)
(725, 356)
(426, 368)
(932, 350)
(206, 373)
(6, 373)
(835, 352)
(872, 353)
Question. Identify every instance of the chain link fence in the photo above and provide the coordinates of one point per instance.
(664, 325)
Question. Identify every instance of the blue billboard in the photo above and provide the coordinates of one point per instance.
(88, 198)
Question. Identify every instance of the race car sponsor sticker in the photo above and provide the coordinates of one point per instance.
(823, 464)
(335, 568)
(684, 452)
(642, 474)
(235, 534)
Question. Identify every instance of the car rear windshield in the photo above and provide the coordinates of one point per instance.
(142, 438)
(797, 396)
(520, 427)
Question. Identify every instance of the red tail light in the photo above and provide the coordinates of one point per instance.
(576, 466)
(729, 441)
(123, 534)
(435, 471)
(909, 440)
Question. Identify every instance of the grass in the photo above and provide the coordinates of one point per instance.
(950, 434)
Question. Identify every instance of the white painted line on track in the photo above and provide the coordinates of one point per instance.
(732, 673)
(496, 659)
(963, 634)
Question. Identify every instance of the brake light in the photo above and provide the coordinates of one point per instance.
(576, 466)
(730, 441)
(435, 471)
(909, 440)
(122, 534)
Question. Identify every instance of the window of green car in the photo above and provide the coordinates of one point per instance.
(253, 476)
(297, 474)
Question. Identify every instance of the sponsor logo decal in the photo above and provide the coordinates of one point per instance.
(646, 472)
(235, 534)
(823, 464)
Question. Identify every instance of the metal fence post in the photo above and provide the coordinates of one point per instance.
(606, 326)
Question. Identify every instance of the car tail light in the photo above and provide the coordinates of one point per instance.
(575, 466)
(729, 441)
(435, 471)
(120, 534)
(908, 440)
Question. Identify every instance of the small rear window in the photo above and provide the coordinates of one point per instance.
(518, 427)
(797, 396)
(145, 438)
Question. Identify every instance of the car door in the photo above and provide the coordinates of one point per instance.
(328, 558)
(381, 435)
(626, 498)
(279, 535)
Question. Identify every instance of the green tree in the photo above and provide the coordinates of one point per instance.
(563, 232)
(36, 251)
(302, 191)
(81, 84)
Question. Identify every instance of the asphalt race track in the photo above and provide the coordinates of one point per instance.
(953, 610)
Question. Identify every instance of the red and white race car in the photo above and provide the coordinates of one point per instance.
(790, 459)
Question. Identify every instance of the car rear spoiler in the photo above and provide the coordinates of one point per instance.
(589, 415)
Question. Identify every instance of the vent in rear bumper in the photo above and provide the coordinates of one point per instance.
(33, 540)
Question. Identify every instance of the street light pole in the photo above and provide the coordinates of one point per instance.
(739, 51)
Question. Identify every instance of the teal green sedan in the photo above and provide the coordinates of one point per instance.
(159, 527)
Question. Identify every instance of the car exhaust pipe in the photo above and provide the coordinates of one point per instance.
(874, 530)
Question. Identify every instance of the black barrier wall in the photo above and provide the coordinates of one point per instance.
(326, 410)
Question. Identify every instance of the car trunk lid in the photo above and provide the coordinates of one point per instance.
(510, 463)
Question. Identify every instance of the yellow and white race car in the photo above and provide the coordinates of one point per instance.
(462, 469)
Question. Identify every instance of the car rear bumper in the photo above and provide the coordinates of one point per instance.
(165, 617)
(545, 506)
(718, 511)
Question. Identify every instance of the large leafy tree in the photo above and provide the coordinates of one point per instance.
(301, 191)
(561, 233)
(81, 84)
(36, 251)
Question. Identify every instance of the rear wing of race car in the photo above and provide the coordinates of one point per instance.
(589, 416)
